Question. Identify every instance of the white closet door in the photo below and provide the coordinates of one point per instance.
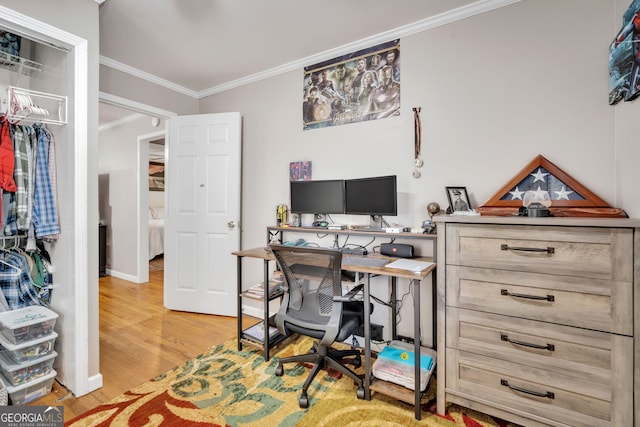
(203, 212)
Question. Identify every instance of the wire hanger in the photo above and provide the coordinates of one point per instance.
(16, 271)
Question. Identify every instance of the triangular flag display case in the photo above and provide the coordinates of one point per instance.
(568, 196)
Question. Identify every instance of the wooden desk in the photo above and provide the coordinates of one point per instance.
(395, 391)
(380, 386)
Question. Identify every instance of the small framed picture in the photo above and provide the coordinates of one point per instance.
(458, 199)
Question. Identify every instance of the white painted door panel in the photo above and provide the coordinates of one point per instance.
(203, 184)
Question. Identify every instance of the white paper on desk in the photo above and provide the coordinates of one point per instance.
(409, 264)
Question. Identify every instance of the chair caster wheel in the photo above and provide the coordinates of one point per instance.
(304, 401)
(356, 362)
(279, 371)
(360, 393)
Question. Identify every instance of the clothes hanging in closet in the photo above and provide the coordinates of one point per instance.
(25, 278)
(29, 213)
(32, 206)
(7, 161)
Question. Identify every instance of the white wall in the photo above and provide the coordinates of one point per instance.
(118, 157)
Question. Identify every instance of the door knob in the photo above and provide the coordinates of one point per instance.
(231, 224)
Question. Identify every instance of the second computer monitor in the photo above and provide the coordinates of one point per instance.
(374, 196)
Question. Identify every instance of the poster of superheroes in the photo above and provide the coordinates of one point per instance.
(360, 86)
(624, 57)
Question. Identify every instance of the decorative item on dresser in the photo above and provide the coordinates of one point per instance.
(568, 197)
(536, 318)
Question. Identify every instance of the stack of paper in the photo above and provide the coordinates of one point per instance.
(409, 264)
(256, 332)
(257, 290)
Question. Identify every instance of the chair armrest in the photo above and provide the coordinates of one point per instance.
(350, 296)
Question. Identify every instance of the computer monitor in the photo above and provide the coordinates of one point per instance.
(318, 197)
(374, 196)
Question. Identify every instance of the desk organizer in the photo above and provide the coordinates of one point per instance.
(30, 350)
(27, 324)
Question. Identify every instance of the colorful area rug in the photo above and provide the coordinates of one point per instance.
(227, 387)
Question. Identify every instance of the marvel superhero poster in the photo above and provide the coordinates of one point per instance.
(360, 86)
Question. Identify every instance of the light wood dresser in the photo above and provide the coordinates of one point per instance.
(538, 319)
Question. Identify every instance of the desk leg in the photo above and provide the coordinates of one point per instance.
(266, 310)
(367, 338)
(394, 307)
(416, 345)
(239, 308)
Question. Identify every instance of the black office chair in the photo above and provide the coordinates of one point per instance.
(313, 305)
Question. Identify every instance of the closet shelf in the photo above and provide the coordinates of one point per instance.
(33, 106)
(18, 64)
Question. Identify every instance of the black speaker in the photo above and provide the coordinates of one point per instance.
(397, 250)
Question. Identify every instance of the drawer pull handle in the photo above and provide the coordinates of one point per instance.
(548, 394)
(549, 249)
(505, 337)
(509, 294)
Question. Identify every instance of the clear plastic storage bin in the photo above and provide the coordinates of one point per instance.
(27, 324)
(20, 373)
(395, 363)
(20, 353)
(33, 390)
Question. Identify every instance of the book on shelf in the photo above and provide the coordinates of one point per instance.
(257, 290)
(256, 332)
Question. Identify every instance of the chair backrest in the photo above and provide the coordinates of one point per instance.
(312, 279)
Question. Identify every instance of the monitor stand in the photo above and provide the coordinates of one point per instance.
(376, 223)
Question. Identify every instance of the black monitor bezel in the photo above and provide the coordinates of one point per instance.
(320, 208)
(350, 210)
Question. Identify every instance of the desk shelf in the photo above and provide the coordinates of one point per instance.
(260, 345)
(402, 393)
(246, 294)
(246, 338)
(397, 391)
(266, 256)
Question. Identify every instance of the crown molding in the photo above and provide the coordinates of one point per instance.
(121, 121)
(111, 63)
(435, 21)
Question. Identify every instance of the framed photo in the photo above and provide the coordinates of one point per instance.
(458, 199)
(156, 176)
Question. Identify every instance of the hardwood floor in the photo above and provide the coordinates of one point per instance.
(140, 339)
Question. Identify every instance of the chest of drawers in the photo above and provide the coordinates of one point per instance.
(536, 319)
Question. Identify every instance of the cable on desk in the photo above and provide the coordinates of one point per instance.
(373, 239)
(379, 301)
(400, 304)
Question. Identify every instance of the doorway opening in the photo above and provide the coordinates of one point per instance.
(133, 190)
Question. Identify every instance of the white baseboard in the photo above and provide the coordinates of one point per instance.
(127, 277)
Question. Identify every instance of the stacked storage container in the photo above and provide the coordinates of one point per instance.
(27, 339)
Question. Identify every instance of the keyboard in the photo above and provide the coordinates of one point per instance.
(365, 261)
